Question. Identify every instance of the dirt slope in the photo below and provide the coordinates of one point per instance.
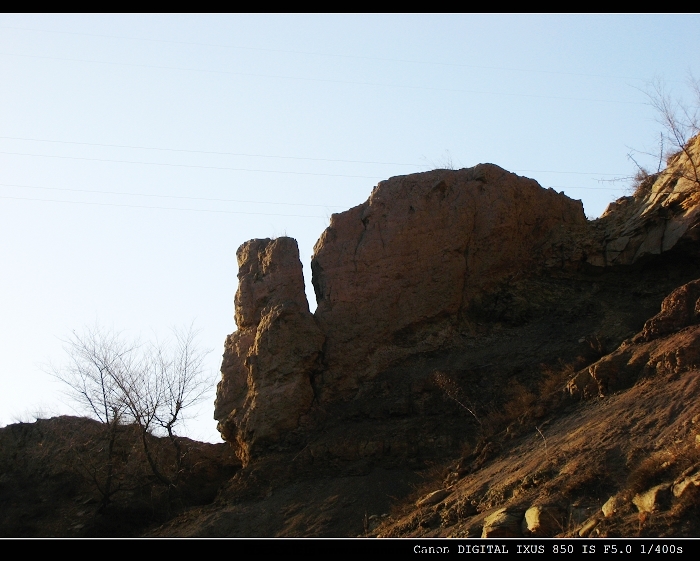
(636, 450)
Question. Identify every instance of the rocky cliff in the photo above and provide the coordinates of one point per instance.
(408, 264)
(664, 211)
(433, 272)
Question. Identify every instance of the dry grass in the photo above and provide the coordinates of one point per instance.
(432, 481)
(642, 183)
(649, 472)
(671, 157)
(522, 409)
(525, 408)
(667, 465)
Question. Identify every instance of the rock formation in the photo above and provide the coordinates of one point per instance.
(266, 383)
(664, 211)
(417, 271)
(679, 309)
(417, 254)
(669, 344)
(464, 319)
(413, 257)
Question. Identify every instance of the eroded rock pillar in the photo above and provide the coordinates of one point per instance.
(268, 363)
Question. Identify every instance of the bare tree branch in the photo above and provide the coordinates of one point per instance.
(680, 121)
(151, 386)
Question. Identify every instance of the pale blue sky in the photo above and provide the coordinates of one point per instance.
(110, 122)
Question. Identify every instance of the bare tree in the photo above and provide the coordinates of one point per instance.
(97, 360)
(149, 386)
(184, 385)
(169, 381)
(680, 121)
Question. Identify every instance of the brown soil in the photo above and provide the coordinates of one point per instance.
(621, 444)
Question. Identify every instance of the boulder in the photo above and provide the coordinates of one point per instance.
(503, 523)
(433, 498)
(686, 485)
(543, 521)
(679, 309)
(588, 526)
(653, 499)
(610, 507)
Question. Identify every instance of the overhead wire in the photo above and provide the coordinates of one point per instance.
(283, 77)
(88, 191)
(208, 152)
(91, 191)
(248, 169)
(274, 76)
(81, 158)
(218, 211)
(321, 80)
(184, 209)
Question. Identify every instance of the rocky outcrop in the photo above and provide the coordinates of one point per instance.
(266, 376)
(654, 499)
(394, 274)
(504, 523)
(453, 306)
(54, 474)
(668, 344)
(679, 309)
(664, 211)
(543, 521)
(417, 270)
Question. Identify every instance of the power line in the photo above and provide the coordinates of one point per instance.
(259, 170)
(159, 207)
(163, 196)
(206, 199)
(207, 152)
(180, 197)
(189, 165)
(584, 188)
(217, 211)
(244, 154)
(564, 172)
(320, 80)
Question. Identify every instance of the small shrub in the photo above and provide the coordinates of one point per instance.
(452, 390)
(670, 464)
(642, 183)
(647, 473)
(553, 382)
(673, 156)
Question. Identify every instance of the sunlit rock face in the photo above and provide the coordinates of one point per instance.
(266, 373)
(664, 211)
